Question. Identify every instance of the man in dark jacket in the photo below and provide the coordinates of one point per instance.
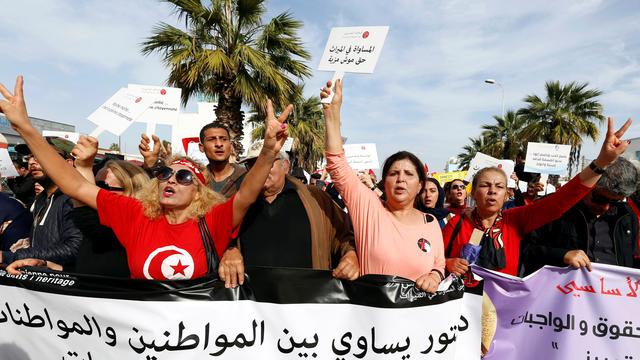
(54, 236)
(23, 186)
(15, 221)
(291, 225)
(601, 228)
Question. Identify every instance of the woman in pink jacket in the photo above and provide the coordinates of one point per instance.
(392, 238)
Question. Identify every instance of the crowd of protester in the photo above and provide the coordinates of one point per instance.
(112, 219)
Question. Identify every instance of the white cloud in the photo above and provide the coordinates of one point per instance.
(427, 93)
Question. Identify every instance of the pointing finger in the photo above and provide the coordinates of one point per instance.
(285, 113)
(624, 128)
(339, 87)
(18, 88)
(270, 114)
(609, 126)
(3, 90)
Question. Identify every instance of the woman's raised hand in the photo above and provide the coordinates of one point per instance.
(330, 110)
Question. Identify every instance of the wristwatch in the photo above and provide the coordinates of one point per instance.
(595, 168)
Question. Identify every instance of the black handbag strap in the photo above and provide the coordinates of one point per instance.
(207, 241)
(455, 232)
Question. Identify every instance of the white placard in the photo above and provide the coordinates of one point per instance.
(189, 125)
(362, 156)
(522, 185)
(120, 111)
(547, 158)
(288, 144)
(481, 161)
(71, 136)
(6, 164)
(166, 103)
(353, 49)
(193, 151)
(543, 181)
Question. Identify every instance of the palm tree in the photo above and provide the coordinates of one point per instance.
(306, 127)
(567, 114)
(227, 52)
(478, 144)
(503, 138)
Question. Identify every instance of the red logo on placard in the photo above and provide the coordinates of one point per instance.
(138, 99)
(499, 166)
(163, 92)
(66, 136)
(365, 34)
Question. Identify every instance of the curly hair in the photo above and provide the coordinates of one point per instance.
(203, 201)
(132, 177)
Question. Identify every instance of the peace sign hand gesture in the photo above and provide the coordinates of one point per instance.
(276, 130)
(613, 145)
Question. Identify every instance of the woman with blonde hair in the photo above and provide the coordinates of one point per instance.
(132, 177)
(163, 236)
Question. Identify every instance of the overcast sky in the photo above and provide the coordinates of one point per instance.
(427, 94)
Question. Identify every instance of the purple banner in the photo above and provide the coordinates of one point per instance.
(562, 313)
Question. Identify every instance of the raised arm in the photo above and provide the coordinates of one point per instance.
(332, 135)
(274, 137)
(149, 154)
(552, 207)
(67, 179)
(612, 147)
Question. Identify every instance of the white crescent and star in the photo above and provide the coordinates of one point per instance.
(168, 262)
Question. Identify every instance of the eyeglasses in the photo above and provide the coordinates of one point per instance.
(602, 200)
(104, 185)
(458, 187)
(183, 176)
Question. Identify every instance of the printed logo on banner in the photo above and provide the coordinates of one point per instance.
(169, 262)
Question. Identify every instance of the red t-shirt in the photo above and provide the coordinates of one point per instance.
(519, 221)
(158, 250)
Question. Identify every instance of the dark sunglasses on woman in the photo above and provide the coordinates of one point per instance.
(183, 176)
(104, 185)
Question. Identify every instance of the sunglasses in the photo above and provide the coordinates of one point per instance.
(457, 187)
(104, 185)
(183, 176)
(602, 200)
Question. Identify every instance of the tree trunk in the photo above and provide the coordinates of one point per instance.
(228, 112)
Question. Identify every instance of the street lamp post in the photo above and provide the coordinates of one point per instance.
(493, 82)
